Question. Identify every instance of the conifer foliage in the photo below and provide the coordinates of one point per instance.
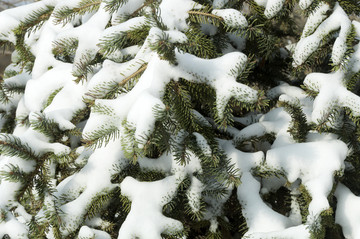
(181, 119)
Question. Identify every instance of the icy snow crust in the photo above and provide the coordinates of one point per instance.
(313, 163)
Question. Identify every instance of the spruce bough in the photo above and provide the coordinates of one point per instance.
(180, 119)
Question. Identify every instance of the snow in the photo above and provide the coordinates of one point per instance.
(232, 17)
(175, 12)
(94, 178)
(87, 233)
(347, 211)
(123, 27)
(202, 143)
(272, 7)
(88, 35)
(315, 18)
(18, 80)
(194, 194)
(191, 167)
(162, 164)
(13, 17)
(304, 4)
(147, 200)
(315, 164)
(130, 7)
(219, 3)
(296, 232)
(276, 121)
(158, 73)
(332, 94)
(38, 90)
(218, 74)
(306, 46)
(59, 110)
(42, 48)
(145, 121)
(259, 217)
(14, 229)
(129, 106)
(111, 73)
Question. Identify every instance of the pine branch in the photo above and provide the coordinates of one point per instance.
(180, 150)
(120, 40)
(354, 118)
(14, 174)
(130, 144)
(42, 180)
(318, 60)
(309, 92)
(97, 203)
(298, 127)
(10, 122)
(198, 44)
(256, 10)
(159, 142)
(36, 229)
(65, 162)
(101, 137)
(11, 89)
(112, 89)
(254, 30)
(147, 3)
(26, 57)
(164, 48)
(227, 118)
(348, 134)
(154, 17)
(204, 15)
(4, 44)
(11, 145)
(4, 97)
(10, 73)
(113, 5)
(315, 3)
(103, 109)
(179, 99)
(172, 207)
(52, 96)
(35, 20)
(352, 81)
(350, 7)
(65, 49)
(126, 204)
(66, 14)
(47, 127)
(30, 24)
(139, 71)
(326, 122)
(247, 70)
(350, 42)
(53, 218)
(85, 66)
(80, 115)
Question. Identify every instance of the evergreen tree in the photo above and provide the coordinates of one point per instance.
(181, 119)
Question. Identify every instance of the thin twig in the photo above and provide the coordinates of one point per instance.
(124, 81)
(205, 14)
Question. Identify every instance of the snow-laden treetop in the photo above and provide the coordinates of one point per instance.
(172, 119)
